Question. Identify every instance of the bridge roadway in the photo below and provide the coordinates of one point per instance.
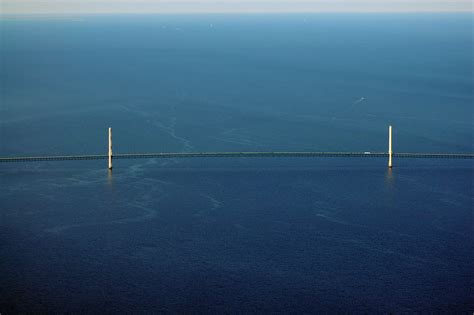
(238, 155)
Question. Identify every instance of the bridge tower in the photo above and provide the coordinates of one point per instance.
(110, 148)
(390, 146)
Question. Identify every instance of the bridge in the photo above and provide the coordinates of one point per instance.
(236, 155)
(390, 155)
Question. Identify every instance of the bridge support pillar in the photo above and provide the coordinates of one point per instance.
(110, 148)
(390, 146)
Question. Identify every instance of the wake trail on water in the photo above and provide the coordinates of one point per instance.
(360, 100)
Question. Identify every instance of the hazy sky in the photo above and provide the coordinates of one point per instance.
(195, 6)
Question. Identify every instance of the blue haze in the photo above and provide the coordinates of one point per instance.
(247, 235)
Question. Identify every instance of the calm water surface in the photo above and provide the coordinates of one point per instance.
(236, 235)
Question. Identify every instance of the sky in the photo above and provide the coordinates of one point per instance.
(229, 6)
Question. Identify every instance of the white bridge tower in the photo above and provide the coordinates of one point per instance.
(390, 146)
(110, 148)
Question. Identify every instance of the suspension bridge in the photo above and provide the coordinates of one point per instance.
(110, 156)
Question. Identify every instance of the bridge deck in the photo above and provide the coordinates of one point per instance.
(238, 155)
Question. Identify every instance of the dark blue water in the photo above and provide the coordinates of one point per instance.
(236, 235)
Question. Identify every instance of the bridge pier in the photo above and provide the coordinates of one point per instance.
(390, 153)
(110, 148)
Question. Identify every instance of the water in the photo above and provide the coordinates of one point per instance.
(247, 235)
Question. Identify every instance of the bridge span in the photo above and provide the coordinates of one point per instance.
(170, 155)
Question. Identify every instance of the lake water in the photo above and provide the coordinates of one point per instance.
(236, 235)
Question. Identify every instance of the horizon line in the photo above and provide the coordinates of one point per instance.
(238, 12)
